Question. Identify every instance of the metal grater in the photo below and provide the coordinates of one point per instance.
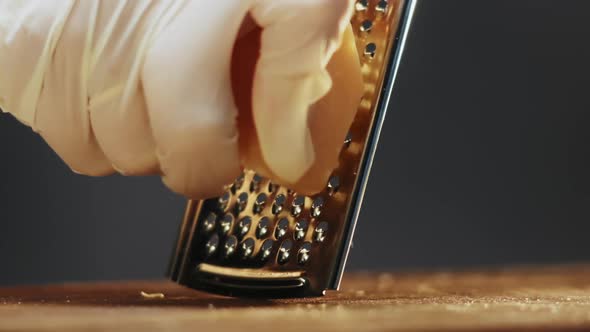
(263, 240)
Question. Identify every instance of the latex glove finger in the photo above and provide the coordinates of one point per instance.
(93, 84)
(121, 36)
(187, 84)
(29, 33)
(80, 84)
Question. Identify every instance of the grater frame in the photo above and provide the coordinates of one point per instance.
(209, 238)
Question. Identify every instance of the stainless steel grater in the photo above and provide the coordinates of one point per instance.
(259, 239)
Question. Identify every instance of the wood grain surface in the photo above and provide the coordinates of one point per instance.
(541, 298)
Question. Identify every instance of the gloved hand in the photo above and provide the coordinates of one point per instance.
(191, 90)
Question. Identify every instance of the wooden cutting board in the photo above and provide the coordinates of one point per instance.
(541, 298)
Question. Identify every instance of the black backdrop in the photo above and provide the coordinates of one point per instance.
(484, 160)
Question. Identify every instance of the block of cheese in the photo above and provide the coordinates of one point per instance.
(329, 119)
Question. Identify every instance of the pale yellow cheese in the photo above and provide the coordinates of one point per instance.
(329, 119)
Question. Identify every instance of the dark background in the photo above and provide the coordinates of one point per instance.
(483, 161)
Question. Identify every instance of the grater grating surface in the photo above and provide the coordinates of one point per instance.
(261, 239)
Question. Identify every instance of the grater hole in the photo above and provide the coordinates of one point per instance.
(244, 226)
(347, 140)
(333, 184)
(284, 252)
(277, 206)
(370, 50)
(263, 227)
(361, 5)
(281, 228)
(247, 248)
(260, 202)
(242, 201)
(297, 205)
(319, 234)
(366, 26)
(304, 253)
(300, 229)
(223, 201)
(211, 245)
(209, 222)
(316, 206)
(230, 246)
(225, 223)
(382, 6)
(266, 249)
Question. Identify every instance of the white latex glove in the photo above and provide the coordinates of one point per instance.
(145, 87)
